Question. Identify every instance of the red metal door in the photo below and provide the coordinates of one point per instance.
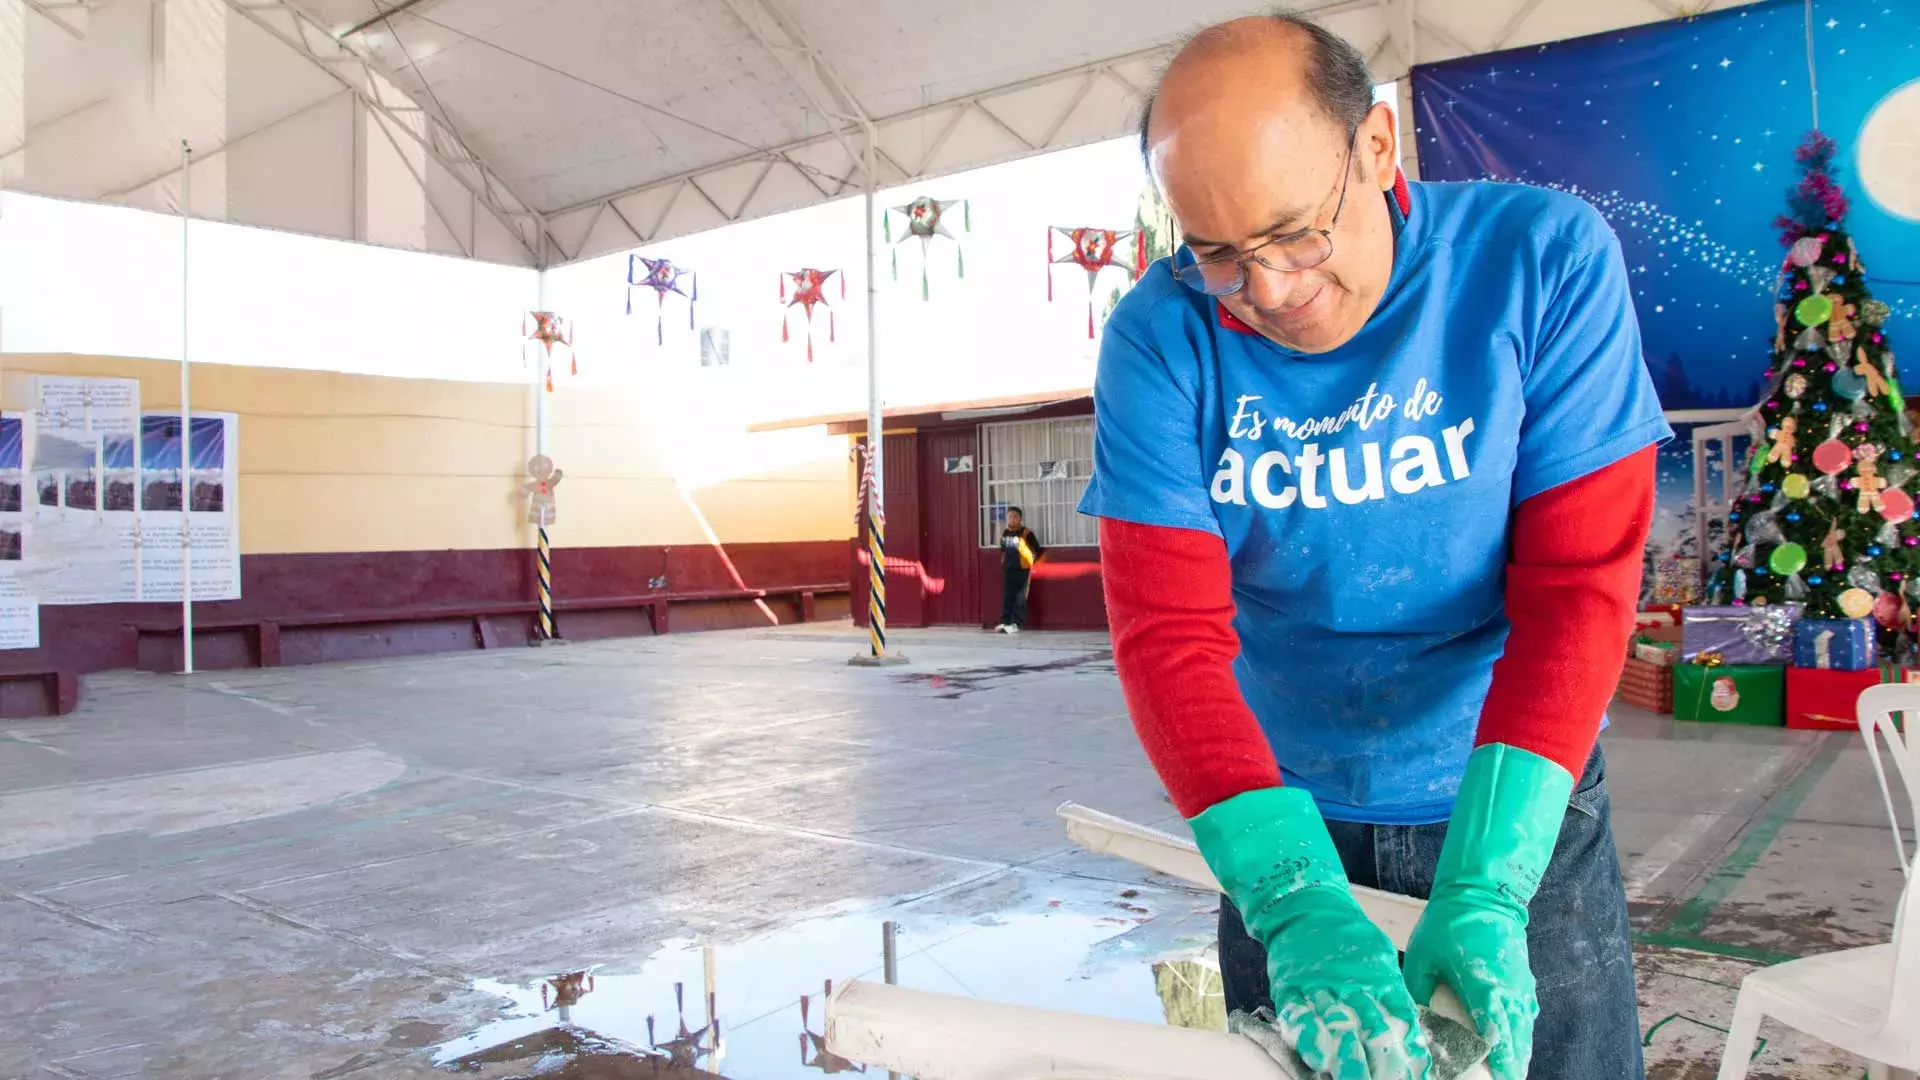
(950, 526)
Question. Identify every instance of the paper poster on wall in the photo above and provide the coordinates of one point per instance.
(75, 422)
(108, 526)
(19, 614)
(205, 478)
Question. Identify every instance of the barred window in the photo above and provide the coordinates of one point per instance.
(1042, 467)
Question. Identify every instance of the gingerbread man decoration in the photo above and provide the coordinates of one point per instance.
(1840, 323)
(1830, 547)
(1864, 367)
(1869, 482)
(539, 490)
(1780, 328)
(1783, 438)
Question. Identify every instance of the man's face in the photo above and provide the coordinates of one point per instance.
(1013, 519)
(1234, 184)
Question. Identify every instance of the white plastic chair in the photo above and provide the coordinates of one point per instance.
(1865, 1001)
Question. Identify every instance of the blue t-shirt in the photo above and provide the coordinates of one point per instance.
(1365, 494)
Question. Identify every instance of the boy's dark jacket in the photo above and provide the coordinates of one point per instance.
(1019, 549)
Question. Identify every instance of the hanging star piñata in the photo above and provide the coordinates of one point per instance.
(809, 289)
(1094, 250)
(548, 330)
(662, 277)
(925, 219)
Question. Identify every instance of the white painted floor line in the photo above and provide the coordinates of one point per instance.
(1668, 850)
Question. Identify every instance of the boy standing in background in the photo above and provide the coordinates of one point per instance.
(1019, 550)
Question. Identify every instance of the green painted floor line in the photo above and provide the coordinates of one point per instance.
(1758, 955)
(1692, 916)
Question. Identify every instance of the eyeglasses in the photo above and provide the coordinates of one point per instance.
(1301, 250)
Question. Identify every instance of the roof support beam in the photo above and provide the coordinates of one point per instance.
(47, 11)
(382, 15)
(783, 41)
(468, 169)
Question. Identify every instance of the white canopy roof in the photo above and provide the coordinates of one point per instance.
(464, 126)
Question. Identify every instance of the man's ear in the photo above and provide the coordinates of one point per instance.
(1378, 145)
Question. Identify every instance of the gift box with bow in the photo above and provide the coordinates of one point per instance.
(1740, 634)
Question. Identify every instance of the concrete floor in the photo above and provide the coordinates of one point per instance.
(373, 870)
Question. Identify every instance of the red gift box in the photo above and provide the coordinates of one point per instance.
(1824, 700)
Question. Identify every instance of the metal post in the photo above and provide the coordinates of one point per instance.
(186, 424)
(544, 633)
(877, 654)
(890, 963)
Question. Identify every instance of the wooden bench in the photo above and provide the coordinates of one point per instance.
(264, 634)
(62, 686)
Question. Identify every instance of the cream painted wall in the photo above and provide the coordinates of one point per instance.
(332, 462)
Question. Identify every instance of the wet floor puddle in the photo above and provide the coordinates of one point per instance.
(755, 1007)
(959, 682)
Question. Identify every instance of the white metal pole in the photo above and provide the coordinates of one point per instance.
(876, 439)
(545, 352)
(186, 422)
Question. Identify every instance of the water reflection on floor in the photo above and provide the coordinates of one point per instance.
(755, 1008)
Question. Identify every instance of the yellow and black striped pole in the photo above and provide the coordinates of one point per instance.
(876, 565)
(874, 471)
(544, 567)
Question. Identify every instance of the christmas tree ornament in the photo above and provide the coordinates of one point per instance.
(1813, 311)
(1832, 457)
(926, 218)
(1840, 351)
(1765, 529)
(1799, 361)
(1840, 323)
(1819, 277)
(1848, 385)
(1781, 452)
(1869, 373)
(1795, 589)
(1889, 611)
(1810, 340)
(1793, 517)
(1896, 505)
(809, 291)
(1831, 550)
(1779, 328)
(1094, 250)
(663, 277)
(1816, 580)
(548, 329)
(1874, 313)
(1819, 406)
(1788, 558)
(1856, 603)
(1739, 586)
(1888, 536)
(1796, 386)
(1806, 250)
(1864, 577)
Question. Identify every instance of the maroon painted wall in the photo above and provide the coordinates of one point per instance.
(950, 528)
(367, 604)
(928, 511)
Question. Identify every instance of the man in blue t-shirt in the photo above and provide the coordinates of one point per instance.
(1374, 463)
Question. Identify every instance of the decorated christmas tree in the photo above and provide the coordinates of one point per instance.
(1826, 517)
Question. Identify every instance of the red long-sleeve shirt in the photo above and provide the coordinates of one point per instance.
(1572, 585)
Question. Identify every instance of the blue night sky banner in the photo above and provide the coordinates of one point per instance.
(1683, 133)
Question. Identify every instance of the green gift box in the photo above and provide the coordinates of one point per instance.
(1730, 694)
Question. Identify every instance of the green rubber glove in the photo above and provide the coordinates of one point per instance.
(1473, 936)
(1338, 995)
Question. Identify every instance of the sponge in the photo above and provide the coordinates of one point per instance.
(1458, 1050)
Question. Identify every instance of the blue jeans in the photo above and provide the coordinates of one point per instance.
(1577, 935)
